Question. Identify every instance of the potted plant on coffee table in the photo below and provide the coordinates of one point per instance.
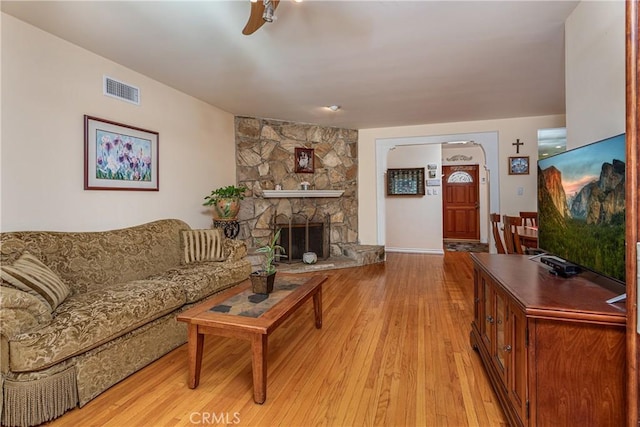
(225, 201)
(262, 280)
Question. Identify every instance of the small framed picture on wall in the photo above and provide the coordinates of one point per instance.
(519, 165)
(304, 160)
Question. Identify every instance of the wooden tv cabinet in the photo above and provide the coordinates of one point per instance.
(553, 349)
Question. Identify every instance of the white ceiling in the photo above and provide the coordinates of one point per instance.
(387, 63)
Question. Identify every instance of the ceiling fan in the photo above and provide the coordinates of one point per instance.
(261, 11)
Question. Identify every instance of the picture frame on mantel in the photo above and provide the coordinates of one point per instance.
(519, 165)
(119, 156)
(304, 160)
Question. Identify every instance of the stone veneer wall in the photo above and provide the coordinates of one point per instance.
(265, 158)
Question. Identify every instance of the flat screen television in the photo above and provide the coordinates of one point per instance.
(581, 207)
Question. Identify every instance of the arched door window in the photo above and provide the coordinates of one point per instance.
(459, 177)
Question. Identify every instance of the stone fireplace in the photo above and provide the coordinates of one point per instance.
(265, 158)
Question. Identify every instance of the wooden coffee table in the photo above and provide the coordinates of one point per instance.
(238, 313)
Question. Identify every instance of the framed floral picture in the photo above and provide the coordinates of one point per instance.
(304, 160)
(519, 165)
(119, 157)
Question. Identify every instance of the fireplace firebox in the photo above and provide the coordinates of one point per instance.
(299, 235)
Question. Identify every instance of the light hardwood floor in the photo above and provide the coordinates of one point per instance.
(394, 351)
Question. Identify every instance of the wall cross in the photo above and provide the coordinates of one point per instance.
(518, 144)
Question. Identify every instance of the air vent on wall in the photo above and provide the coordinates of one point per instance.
(120, 90)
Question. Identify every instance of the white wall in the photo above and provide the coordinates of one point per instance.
(595, 106)
(409, 219)
(595, 71)
(524, 128)
(595, 75)
(48, 85)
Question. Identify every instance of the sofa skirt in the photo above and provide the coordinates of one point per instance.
(101, 368)
(30, 399)
(27, 403)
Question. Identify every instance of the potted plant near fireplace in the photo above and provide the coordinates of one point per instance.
(225, 201)
(262, 280)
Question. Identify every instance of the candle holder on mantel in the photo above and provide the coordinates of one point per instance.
(304, 185)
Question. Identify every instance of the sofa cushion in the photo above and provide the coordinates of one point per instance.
(200, 280)
(87, 320)
(30, 275)
(202, 245)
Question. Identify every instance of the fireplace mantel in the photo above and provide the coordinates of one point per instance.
(286, 194)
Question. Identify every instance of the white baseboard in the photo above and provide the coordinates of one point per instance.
(415, 250)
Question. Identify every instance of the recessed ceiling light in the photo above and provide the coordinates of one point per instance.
(333, 107)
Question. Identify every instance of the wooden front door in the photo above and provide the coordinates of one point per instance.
(460, 203)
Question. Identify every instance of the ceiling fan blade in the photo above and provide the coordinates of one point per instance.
(255, 18)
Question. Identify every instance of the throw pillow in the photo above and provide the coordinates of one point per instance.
(202, 245)
(30, 275)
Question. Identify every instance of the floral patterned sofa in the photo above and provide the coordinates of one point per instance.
(80, 311)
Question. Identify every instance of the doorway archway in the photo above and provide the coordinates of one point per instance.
(487, 140)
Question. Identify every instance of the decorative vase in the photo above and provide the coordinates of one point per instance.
(309, 258)
(226, 208)
(262, 283)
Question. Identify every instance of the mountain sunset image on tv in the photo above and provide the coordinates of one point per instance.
(581, 206)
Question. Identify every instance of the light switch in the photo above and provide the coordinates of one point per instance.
(520, 191)
(429, 192)
(435, 191)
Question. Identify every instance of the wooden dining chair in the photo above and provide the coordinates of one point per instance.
(511, 238)
(495, 227)
(529, 218)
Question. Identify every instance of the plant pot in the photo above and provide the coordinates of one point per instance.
(262, 283)
(226, 208)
